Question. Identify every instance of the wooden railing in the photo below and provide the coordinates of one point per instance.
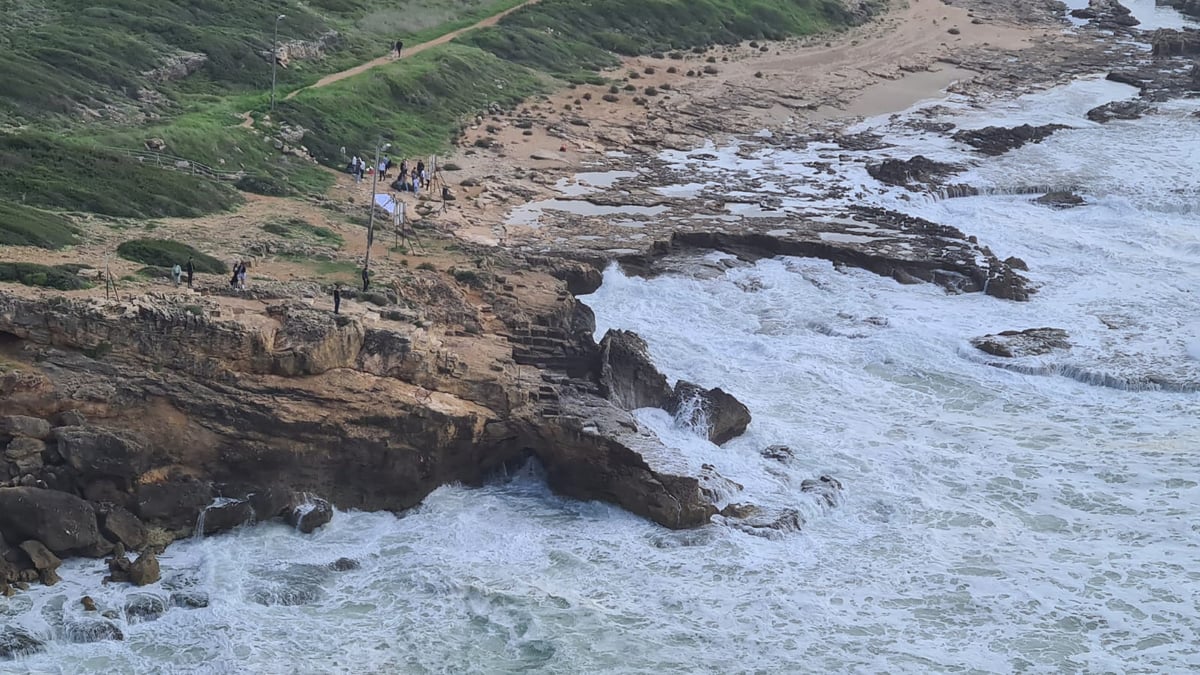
(173, 163)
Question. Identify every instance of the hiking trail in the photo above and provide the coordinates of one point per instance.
(408, 51)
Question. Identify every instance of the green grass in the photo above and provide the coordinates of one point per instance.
(25, 226)
(298, 228)
(569, 37)
(61, 277)
(417, 104)
(48, 172)
(168, 253)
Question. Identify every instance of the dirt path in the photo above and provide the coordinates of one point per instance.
(409, 51)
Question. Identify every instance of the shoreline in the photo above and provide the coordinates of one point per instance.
(459, 363)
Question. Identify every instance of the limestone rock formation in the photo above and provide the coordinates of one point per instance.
(627, 376)
(64, 523)
(309, 514)
(1029, 342)
(999, 140)
(119, 525)
(722, 416)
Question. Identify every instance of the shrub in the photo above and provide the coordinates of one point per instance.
(649, 70)
(61, 277)
(427, 266)
(24, 226)
(650, 91)
(264, 185)
(167, 253)
(710, 70)
(614, 89)
(611, 98)
(672, 70)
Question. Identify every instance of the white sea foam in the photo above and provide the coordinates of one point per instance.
(993, 521)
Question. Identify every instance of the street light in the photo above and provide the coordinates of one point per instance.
(371, 218)
(275, 57)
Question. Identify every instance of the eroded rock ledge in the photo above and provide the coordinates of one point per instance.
(163, 414)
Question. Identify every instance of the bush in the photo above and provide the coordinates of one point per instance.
(264, 185)
(611, 98)
(672, 70)
(427, 266)
(650, 91)
(61, 277)
(710, 70)
(649, 70)
(167, 253)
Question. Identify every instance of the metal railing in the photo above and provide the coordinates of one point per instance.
(174, 163)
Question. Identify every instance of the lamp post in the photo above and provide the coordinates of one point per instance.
(275, 57)
(371, 218)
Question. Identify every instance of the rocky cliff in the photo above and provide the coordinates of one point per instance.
(174, 410)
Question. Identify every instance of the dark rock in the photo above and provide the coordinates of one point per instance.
(226, 516)
(826, 488)
(1030, 342)
(174, 505)
(42, 558)
(999, 140)
(70, 418)
(781, 453)
(16, 642)
(1060, 200)
(1084, 13)
(269, 502)
(144, 571)
(64, 523)
(89, 605)
(723, 415)
(740, 511)
(1119, 110)
(627, 376)
(189, 599)
(21, 425)
(919, 169)
(310, 514)
(1016, 263)
(144, 607)
(771, 524)
(344, 565)
(106, 490)
(121, 526)
(92, 630)
(97, 452)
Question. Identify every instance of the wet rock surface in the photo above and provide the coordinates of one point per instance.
(999, 140)
(1060, 200)
(1119, 110)
(919, 171)
(722, 416)
(310, 514)
(16, 642)
(1029, 342)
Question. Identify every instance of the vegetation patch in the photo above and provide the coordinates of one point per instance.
(50, 173)
(168, 253)
(61, 277)
(25, 226)
(418, 103)
(298, 228)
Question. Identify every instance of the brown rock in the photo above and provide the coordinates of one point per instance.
(89, 605)
(123, 527)
(42, 558)
(627, 376)
(725, 416)
(21, 425)
(144, 570)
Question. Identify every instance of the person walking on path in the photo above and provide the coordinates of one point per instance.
(176, 274)
(398, 47)
(337, 299)
(191, 269)
(366, 276)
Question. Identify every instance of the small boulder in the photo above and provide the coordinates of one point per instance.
(22, 425)
(740, 511)
(825, 488)
(89, 605)
(92, 630)
(41, 556)
(779, 453)
(121, 526)
(772, 524)
(310, 514)
(344, 565)
(725, 416)
(1119, 110)
(144, 571)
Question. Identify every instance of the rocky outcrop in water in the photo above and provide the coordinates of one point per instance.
(1029, 342)
(722, 416)
(999, 140)
(1119, 110)
(627, 376)
(920, 171)
(1060, 200)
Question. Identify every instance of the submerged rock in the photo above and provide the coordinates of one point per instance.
(189, 599)
(780, 453)
(344, 565)
(1119, 110)
(826, 488)
(16, 642)
(144, 607)
(92, 630)
(1029, 342)
(773, 524)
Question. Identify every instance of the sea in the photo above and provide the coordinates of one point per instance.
(1036, 515)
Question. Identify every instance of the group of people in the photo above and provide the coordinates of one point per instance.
(410, 179)
(238, 280)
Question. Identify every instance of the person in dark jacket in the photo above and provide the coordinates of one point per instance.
(337, 299)
(191, 269)
(366, 276)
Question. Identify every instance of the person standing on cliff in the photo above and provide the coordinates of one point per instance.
(176, 274)
(337, 299)
(366, 276)
(191, 269)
